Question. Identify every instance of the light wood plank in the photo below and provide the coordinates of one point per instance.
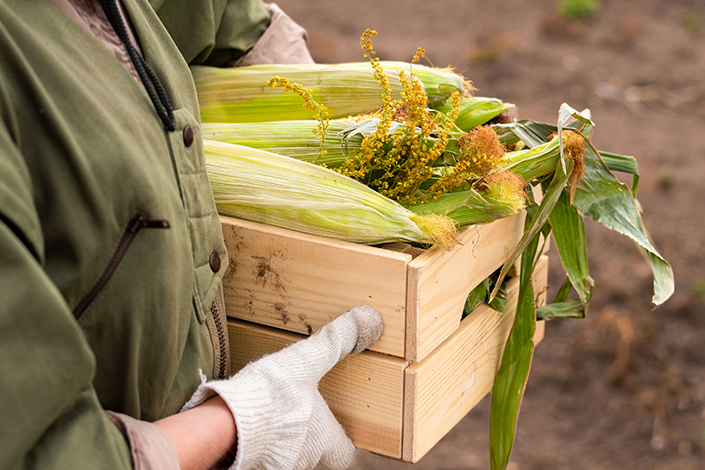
(440, 281)
(442, 388)
(540, 285)
(299, 282)
(364, 392)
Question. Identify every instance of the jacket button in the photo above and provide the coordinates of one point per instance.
(214, 261)
(188, 136)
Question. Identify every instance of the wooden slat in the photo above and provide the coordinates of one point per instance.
(440, 281)
(364, 392)
(540, 285)
(442, 388)
(299, 282)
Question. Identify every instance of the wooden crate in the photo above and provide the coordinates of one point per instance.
(395, 407)
(299, 282)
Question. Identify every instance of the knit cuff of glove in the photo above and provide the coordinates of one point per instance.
(256, 412)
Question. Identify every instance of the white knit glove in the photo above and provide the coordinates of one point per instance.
(282, 421)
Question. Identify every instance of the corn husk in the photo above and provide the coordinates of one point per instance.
(296, 139)
(272, 189)
(240, 94)
(439, 83)
(475, 111)
(293, 139)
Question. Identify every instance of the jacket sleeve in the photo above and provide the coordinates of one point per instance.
(213, 32)
(284, 42)
(50, 416)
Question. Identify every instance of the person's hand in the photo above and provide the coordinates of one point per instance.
(282, 421)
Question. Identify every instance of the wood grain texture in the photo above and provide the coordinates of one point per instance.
(299, 282)
(546, 243)
(364, 392)
(540, 285)
(443, 387)
(440, 281)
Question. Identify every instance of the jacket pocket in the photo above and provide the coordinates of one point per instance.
(134, 226)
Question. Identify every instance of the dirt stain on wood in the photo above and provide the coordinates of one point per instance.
(282, 313)
(265, 272)
(232, 269)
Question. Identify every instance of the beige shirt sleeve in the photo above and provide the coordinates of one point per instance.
(284, 42)
(90, 16)
(150, 447)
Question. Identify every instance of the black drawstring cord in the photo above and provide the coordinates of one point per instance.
(151, 83)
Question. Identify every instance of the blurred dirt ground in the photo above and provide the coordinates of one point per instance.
(625, 388)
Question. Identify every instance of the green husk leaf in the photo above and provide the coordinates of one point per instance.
(466, 208)
(510, 381)
(568, 309)
(499, 302)
(475, 111)
(569, 235)
(446, 203)
(536, 162)
(605, 200)
(563, 291)
(625, 164)
(476, 297)
(536, 224)
(532, 133)
(479, 294)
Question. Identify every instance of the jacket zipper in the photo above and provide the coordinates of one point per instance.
(220, 330)
(136, 223)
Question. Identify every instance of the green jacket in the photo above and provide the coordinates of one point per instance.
(102, 307)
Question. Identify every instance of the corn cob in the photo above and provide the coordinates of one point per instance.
(293, 139)
(296, 139)
(240, 95)
(276, 190)
(438, 83)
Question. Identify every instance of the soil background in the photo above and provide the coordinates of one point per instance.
(625, 387)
